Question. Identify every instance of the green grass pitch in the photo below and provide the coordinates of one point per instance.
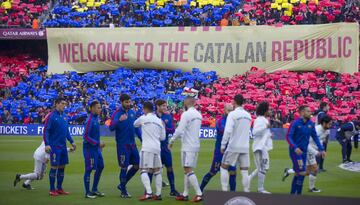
(16, 157)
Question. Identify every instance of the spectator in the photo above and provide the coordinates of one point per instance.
(212, 122)
(35, 24)
(276, 122)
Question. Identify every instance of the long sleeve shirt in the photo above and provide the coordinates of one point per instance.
(124, 130)
(220, 127)
(92, 131)
(299, 135)
(347, 130)
(322, 134)
(169, 127)
(153, 131)
(261, 134)
(56, 130)
(188, 130)
(40, 153)
(237, 131)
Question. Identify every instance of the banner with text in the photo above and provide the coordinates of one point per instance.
(226, 50)
(77, 130)
(22, 34)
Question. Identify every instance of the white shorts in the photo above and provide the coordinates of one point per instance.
(189, 159)
(234, 158)
(311, 159)
(149, 160)
(39, 169)
(262, 160)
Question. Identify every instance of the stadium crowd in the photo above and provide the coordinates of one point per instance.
(151, 13)
(15, 67)
(340, 91)
(159, 13)
(32, 98)
(22, 14)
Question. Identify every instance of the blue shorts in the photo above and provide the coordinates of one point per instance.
(166, 157)
(92, 157)
(58, 156)
(127, 154)
(299, 161)
(216, 163)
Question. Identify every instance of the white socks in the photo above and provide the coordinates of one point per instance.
(186, 185)
(224, 178)
(290, 171)
(194, 182)
(158, 182)
(31, 176)
(27, 182)
(253, 174)
(146, 181)
(261, 181)
(312, 180)
(245, 180)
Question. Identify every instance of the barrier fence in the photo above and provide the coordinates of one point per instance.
(78, 130)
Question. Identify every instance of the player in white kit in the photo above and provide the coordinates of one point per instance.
(262, 144)
(153, 131)
(322, 130)
(235, 144)
(41, 158)
(188, 129)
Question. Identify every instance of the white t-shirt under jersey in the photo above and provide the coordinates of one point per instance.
(189, 129)
(261, 134)
(152, 132)
(40, 154)
(322, 134)
(237, 129)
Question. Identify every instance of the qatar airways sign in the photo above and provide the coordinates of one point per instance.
(22, 34)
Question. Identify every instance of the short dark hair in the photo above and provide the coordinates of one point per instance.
(160, 102)
(302, 108)
(262, 108)
(94, 103)
(191, 100)
(148, 106)
(239, 99)
(59, 100)
(124, 97)
(325, 119)
(323, 105)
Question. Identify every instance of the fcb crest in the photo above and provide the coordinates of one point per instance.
(166, 120)
(309, 126)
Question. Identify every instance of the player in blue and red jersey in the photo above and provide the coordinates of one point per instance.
(92, 148)
(216, 163)
(298, 138)
(122, 122)
(56, 132)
